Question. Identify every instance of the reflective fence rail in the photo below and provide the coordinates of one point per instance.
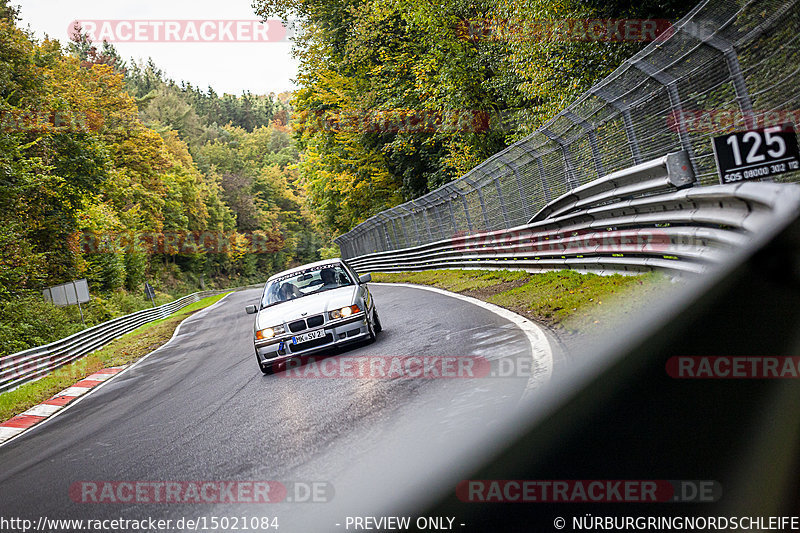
(27, 365)
(727, 66)
(646, 217)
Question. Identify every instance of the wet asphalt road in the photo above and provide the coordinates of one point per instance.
(201, 410)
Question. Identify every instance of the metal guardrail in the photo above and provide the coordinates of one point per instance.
(27, 365)
(618, 413)
(631, 221)
(726, 64)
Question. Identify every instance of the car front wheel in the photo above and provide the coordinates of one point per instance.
(371, 330)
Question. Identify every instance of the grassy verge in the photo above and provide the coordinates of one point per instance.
(122, 351)
(567, 302)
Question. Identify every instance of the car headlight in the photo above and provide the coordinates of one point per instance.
(268, 333)
(344, 312)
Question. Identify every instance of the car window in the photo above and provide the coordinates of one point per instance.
(312, 281)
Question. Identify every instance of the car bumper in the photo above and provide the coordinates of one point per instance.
(337, 334)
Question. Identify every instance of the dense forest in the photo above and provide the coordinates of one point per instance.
(109, 168)
(484, 72)
(114, 172)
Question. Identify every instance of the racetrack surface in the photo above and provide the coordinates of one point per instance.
(199, 409)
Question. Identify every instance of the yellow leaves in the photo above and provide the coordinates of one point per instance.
(177, 149)
(239, 246)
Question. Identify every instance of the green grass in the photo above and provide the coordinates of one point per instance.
(454, 280)
(563, 300)
(122, 351)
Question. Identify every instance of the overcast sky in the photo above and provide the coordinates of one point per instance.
(233, 68)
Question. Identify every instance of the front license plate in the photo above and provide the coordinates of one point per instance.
(310, 336)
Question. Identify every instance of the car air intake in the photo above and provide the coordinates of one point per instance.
(300, 325)
(315, 321)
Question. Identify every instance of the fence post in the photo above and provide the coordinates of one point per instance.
(449, 201)
(425, 216)
(405, 231)
(545, 186)
(480, 197)
(598, 162)
(630, 133)
(414, 220)
(526, 210)
(430, 206)
(383, 225)
(466, 208)
(728, 51)
(569, 166)
(669, 81)
(500, 197)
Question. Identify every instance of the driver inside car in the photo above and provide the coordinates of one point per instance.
(288, 292)
(328, 276)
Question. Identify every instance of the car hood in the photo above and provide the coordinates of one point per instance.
(313, 304)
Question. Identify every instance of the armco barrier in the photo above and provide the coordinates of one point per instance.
(635, 220)
(726, 66)
(27, 365)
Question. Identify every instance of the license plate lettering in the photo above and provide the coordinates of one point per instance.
(310, 336)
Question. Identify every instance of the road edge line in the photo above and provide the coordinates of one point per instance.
(541, 350)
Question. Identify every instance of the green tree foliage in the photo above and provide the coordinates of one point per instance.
(416, 60)
(90, 145)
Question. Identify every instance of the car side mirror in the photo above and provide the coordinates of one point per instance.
(366, 278)
(251, 309)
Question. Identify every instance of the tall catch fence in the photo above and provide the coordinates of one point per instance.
(725, 66)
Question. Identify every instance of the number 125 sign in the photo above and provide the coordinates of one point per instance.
(756, 154)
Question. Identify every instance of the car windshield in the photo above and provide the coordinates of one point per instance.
(311, 281)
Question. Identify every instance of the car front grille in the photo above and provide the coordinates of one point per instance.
(299, 325)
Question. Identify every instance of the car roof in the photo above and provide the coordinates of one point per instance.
(331, 262)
